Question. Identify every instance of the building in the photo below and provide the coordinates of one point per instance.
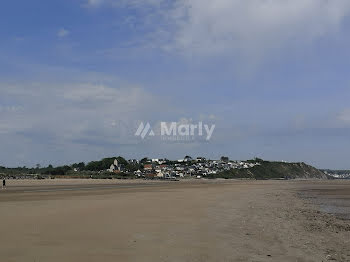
(115, 167)
(148, 167)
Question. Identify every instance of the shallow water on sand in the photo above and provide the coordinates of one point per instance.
(332, 199)
(340, 208)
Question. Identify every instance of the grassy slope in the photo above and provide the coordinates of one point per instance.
(274, 170)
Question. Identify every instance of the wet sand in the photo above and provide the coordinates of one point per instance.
(332, 198)
(170, 221)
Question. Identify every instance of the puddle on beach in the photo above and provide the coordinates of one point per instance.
(333, 200)
(342, 212)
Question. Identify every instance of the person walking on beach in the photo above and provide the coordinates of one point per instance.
(3, 183)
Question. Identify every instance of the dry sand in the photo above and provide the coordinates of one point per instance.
(177, 221)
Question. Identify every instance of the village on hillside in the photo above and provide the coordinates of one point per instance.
(182, 168)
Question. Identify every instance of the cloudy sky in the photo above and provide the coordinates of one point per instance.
(78, 76)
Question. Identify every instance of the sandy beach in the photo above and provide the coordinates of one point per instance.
(109, 220)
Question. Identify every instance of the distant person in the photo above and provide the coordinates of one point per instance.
(3, 183)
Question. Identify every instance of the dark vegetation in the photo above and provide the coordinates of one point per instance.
(76, 170)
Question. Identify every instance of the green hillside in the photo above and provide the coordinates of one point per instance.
(274, 170)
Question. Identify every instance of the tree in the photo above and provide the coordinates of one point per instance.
(144, 160)
(80, 165)
(122, 161)
(224, 159)
(94, 166)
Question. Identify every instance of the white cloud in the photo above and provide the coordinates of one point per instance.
(223, 27)
(62, 33)
(344, 116)
(63, 122)
(71, 111)
(94, 3)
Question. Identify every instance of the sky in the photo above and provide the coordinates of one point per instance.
(77, 77)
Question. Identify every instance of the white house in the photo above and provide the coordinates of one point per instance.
(114, 166)
(111, 168)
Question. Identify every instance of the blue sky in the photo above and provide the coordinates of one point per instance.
(76, 78)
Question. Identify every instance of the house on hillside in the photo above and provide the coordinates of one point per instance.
(148, 167)
(138, 173)
(115, 167)
(133, 161)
